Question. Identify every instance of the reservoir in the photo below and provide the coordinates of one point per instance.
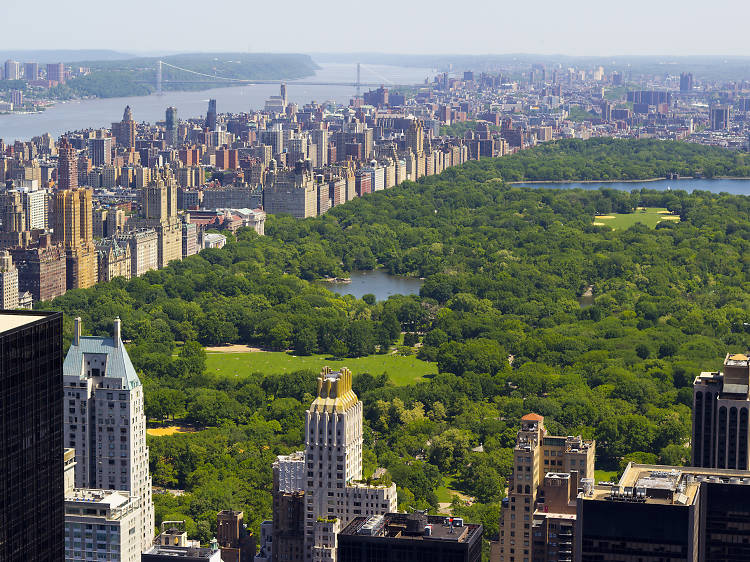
(733, 186)
(102, 112)
(378, 283)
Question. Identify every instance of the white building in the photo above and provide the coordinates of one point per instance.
(8, 282)
(333, 468)
(105, 422)
(214, 240)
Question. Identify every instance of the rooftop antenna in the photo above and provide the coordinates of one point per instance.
(158, 79)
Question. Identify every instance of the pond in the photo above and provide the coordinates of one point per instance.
(376, 282)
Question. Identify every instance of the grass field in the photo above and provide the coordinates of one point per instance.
(401, 370)
(604, 475)
(650, 216)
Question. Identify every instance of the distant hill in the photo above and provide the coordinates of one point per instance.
(66, 55)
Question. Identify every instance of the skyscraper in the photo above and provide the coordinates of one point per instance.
(12, 70)
(105, 421)
(8, 282)
(171, 126)
(100, 150)
(721, 403)
(56, 73)
(686, 82)
(31, 71)
(326, 476)
(67, 165)
(31, 436)
(74, 231)
(124, 131)
(720, 117)
(211, 115)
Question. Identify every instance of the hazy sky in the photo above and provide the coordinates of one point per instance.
(576, 27)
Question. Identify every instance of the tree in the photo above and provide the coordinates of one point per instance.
(360, 339)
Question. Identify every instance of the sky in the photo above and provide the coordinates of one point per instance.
(571, 27)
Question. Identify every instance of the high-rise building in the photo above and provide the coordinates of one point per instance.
(31, 71)
(74, 232)
(721, 403)
(719, 116)
(171, 126)
(665, 513)
(235, 542)
(686, 82)
(124, 131)
(106, 423)
(67, 165)
(8, 282)
(100, 150)
(415, 137)
(541, 462)
(31, 439)
(414, 537)
(211, 115)
(12, 70)
(41, 270)
(56, 73)
(325, 477)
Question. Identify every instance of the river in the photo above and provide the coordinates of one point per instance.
(96, 113)
(734, 186)
(378, 283)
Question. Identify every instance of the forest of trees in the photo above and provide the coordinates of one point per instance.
(504, 267)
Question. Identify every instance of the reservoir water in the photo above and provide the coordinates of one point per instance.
(734, 186)
(96, 113)
(378, 283)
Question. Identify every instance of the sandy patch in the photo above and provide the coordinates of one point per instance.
(665, 212)
(604, 217)
(232, 349)
(170, 430)
(670, 218)
(600, 223)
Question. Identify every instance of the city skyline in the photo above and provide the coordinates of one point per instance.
(486, 28)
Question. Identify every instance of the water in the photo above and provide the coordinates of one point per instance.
(378, 283)
(736, 187)
(97, 113)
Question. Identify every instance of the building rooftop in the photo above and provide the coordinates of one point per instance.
(10, 320)
(414, 526)
(335, 392)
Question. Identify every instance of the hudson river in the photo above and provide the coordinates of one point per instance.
(96, 113)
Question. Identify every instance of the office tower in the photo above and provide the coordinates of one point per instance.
(56, 73)
(666, 513)
(211, 115)
(16, 98)
(720, 117)
(31, 440)
(67, 165)
(12, 70)
(606, 111)
(324, 478)
(100, 150)
(235, 542)
(170, 135)
(8, 282)
(31, 71)
(541, 461)
(686, 82)
(124, 131)
(105, 422)
(415, 537)
(720, 415)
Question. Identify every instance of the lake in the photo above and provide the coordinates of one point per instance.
(736, 187)
(97, 113)
(378, 283)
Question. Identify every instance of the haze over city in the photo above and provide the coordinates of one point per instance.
(579, 27)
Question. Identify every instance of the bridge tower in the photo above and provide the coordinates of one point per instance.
(358, 80)
(158, 78)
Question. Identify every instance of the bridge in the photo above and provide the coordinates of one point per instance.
(215, 79)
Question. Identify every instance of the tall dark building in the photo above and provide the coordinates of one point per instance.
(413, 537)
(721, 402)
(67, 166)
(32, 514)
(666, 513)
(211, 115)
(171, 125)
(720, 117)
(686, 82)
(56, 73)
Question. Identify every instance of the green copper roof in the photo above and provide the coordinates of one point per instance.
(118, 363)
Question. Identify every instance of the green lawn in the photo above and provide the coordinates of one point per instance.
(650, 216)
(401, 370)
(604, 475)
(445, 493)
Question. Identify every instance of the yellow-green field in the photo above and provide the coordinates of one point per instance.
(649, 216)
(401, 370)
